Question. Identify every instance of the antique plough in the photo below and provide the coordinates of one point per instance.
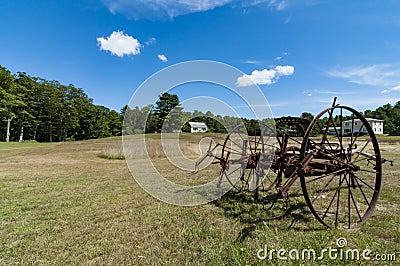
(336, 157)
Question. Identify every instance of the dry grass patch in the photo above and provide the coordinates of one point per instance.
(63, 204)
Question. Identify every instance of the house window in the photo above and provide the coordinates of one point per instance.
(346, 124)
(355, 123)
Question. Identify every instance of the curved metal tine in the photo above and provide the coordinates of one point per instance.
(246, 181)
(272, 182)
(204, 156)
(260, 139)
(231, 150)
(233, 185)
(283, 213)
(223, 173)
(295, 140)
(196, 166)
(257, 179)
(243, 171)
(239, 146)
(220, 177)
(240, 135)
(274, 200)
(256, 143)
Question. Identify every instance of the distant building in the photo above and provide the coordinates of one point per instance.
(197, 127)
(333, 131)
(348, 126)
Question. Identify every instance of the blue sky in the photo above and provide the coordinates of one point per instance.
(302, 53)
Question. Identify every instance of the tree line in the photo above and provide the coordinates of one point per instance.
(166, 115)
(33, 108)
(390, 114)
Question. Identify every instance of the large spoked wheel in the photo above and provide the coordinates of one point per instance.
(342, 172)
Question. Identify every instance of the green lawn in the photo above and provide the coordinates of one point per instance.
(12, 147)
(64, 204)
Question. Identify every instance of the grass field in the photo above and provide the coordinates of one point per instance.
(68, 204)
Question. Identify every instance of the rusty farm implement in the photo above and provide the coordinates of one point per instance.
(335, 156)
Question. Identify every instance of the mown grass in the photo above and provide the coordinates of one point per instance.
(12, 147)
(63, 204)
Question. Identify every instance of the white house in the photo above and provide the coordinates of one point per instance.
(197, 127)
(376, 125)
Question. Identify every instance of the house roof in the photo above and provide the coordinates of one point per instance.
(368, 119)
(197, 124)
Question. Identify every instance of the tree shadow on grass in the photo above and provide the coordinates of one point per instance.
(293, 214)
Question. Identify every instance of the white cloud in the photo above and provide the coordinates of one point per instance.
(284, 70)
(374, 75)
(151, 41)
(167, 9)
(278, 4)
(161, 9)
(397, 88)
(337, 92)
(162, 58)
(265, 76)
(119, 44)
(253, 62)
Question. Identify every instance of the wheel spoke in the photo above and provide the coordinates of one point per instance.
(326, 185)
(362, 192)
(330, 154)
(358, 134)
(348, 201)
(362, 181)
(368, 171)
(322, 176)
(352, 199)
(337, 202)
(330, 203)
(359, 152)
(324, 137)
